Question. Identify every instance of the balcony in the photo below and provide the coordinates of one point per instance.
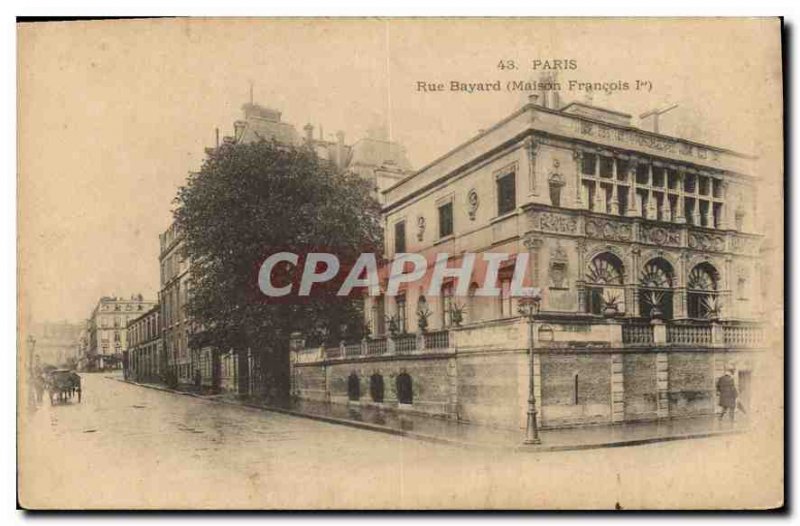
(402, 345)
(557, 334)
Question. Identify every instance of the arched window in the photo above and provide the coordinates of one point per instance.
(353, 387)
(605, 282)
(376, 387)
(655, 289)
(701, 291)
(404, 389)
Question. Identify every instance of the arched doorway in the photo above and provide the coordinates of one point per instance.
(604, 277)
(376, 388)
(655, 289)
(353, 387)
(405, 393)
(702, 288)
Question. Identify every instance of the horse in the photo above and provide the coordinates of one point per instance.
(62, 385)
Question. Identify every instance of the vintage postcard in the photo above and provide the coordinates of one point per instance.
(390, 264)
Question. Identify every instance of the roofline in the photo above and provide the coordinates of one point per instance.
(154, 309)
(579, 103)
(537, 107)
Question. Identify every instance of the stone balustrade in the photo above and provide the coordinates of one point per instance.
(615, 333)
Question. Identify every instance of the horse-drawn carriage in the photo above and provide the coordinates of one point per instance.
(62, 385)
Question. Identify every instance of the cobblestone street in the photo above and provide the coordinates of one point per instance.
(128, 446)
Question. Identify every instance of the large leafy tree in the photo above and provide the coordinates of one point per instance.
(248, 201)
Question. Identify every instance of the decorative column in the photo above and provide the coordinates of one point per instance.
(633, 278)
(680, 215)
(533, 244)
(652, 213)
(614, 196)
(633, 202)
(666, 210)
(724, 223)
(578, 156)
(725, 295)
(531, 146)
(599, 200)
(680, 303)
(580, 246)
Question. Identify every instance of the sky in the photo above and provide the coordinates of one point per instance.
(112, 115)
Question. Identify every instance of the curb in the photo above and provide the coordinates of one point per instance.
(440, 440)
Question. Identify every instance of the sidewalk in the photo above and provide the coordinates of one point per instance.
(437, 430)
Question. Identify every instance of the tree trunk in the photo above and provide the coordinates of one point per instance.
(243, 372)
(216, 370)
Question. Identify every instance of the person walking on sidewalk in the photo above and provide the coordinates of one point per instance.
(726, 389)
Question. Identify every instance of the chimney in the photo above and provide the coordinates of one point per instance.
(340, 148)
(238, 129)
(309, 129)
(533, 98)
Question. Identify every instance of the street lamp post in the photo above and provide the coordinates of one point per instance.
(529, 307)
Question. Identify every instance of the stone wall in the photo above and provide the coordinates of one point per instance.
(576, 389)
(492, 388)
(572, 387)
(691, 383)
(641, 389)
(432, 383)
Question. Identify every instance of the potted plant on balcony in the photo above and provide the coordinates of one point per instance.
(393, 324)
(653, 298)
(457, 314)
(611, 304)
(423, 313)
(713, 307)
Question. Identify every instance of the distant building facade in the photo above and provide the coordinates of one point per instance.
(175, 326)
(143, 361)
(644, 246)
(56, 342)
(107, 330)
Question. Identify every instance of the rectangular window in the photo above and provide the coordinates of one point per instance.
(445, 220)
(587, 166)
(399, 237)
(506, 193)
(401, 313)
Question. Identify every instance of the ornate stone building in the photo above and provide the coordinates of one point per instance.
(644, 247)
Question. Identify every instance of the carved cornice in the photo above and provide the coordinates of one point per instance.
(609, 229)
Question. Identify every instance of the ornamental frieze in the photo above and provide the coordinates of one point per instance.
(602, 229)
(661, 235)
(554, 222)
(700, 241)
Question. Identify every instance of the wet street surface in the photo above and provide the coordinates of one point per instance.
(126, 446)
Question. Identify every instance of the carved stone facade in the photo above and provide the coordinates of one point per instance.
(611, 218)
